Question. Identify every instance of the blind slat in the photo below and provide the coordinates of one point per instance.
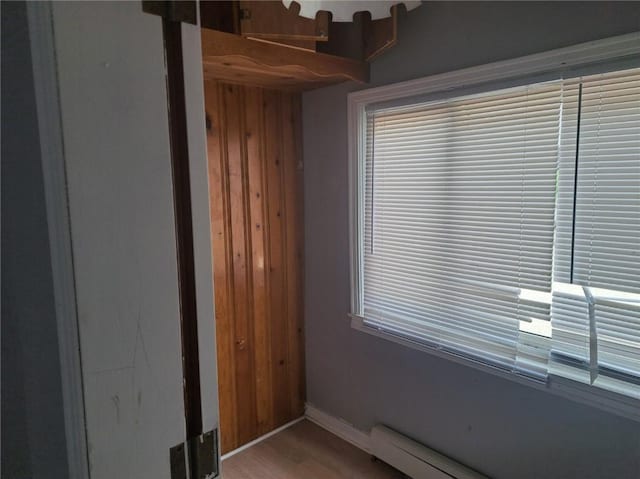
(505, 227)
(446, 190)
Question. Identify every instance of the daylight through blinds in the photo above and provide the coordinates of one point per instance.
(505, 227)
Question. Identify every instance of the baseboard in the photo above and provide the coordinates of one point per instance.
(260, 439)
(340, 428)
(414, 459)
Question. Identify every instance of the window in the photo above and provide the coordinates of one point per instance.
(459, 220)
(595, 312)
(504, 226)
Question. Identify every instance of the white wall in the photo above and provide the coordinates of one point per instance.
(501, 428)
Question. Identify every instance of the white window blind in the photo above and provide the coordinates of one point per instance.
(459, 222)
(596, 310)
(505, 227)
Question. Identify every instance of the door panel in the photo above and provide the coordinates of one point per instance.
(113, 103)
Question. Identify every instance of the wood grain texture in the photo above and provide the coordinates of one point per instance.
(305, 451)
(255, 181)
(236, 59)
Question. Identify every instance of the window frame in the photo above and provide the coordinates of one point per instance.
(566, 62)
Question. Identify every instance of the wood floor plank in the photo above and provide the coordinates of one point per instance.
(305, 451)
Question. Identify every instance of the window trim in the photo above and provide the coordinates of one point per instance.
(559, 62)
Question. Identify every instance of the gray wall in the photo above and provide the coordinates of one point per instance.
(33, 440)
(501, 428)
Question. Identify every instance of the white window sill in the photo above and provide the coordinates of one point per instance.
(608, 401)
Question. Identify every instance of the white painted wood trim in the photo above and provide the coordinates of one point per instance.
(414, 459)
(356, 144)
(261, 438)
(559, 60)
(339, 427)
(199, 177)
(358, 324)
(396, 450)
(55, 188)
(552, 60)
(393, 448)
(583, 393)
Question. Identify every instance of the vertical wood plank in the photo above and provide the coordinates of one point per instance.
(279, 334)
(299, 201)
(256, 216)
(293, 205)
(261, 313)
(220, 238)
(240, 252)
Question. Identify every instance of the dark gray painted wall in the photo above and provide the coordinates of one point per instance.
(33, 438)
(503, 429)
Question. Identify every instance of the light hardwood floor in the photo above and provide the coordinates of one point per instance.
(305, 451)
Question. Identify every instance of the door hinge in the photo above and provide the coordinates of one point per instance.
(176, 11)
(178, 461)
(197, 458)
(203, 452)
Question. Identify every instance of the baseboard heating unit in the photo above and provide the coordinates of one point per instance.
(414, 459)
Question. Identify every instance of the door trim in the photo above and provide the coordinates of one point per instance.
(43, 59)
(199, 177)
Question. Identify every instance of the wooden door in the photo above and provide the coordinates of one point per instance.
(255, 176)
